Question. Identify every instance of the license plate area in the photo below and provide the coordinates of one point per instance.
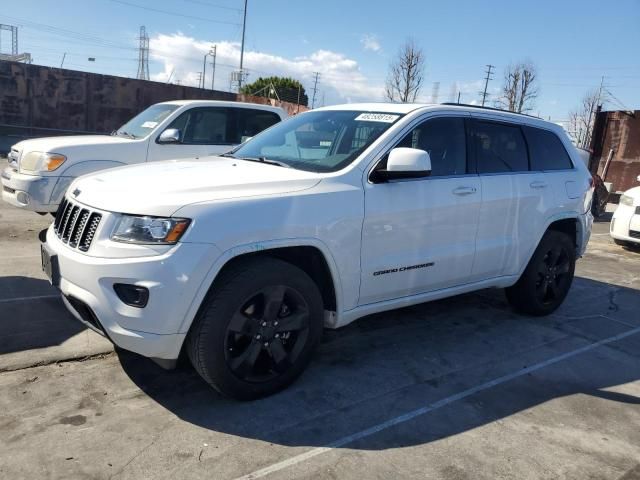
(50, 265)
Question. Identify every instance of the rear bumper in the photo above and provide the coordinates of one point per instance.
(31, 192)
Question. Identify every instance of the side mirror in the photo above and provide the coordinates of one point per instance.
(638, 178)
(170, 135)
(405, 163)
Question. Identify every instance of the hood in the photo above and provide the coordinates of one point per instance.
(55, 144)
(161, 188)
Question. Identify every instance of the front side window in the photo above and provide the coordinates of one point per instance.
(205, 126)
(319, 141)
(499, 148)
(445, 141)
(143, 124)
(546, 150)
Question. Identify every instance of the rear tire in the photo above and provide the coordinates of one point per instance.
(257, 329)
(545, 282)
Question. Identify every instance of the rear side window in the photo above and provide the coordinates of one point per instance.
(499, 148)
(251, 122)
(546, 150)
(444, 140)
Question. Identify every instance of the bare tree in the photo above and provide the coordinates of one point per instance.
(520, 88)
(406, 74)
(581, 120)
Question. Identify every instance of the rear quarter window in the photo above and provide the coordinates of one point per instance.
(546, 150)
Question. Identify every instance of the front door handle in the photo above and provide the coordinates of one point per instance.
(538, 184)
(464, 191)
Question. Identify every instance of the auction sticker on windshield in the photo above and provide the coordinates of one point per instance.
(377, 117)
(149, 124)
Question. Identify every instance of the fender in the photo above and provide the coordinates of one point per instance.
(244, 249)
(76, 170)
(548, 222)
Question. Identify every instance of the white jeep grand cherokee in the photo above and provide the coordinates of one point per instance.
(331, 215)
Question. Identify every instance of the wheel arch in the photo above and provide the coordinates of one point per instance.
(568, 223)
(310, 255)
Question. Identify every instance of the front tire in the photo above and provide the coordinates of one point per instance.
(257, 329)
(545, 282)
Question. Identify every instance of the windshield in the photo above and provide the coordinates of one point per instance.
(318, 141)
(142, 124)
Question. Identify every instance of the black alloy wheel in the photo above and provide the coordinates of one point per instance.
(267, 334)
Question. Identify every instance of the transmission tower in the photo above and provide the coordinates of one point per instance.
(486, 83)
(315, 88)
(13, 55)
(143, 55)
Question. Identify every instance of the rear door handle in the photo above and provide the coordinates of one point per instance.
(538, 184)
(464, 191)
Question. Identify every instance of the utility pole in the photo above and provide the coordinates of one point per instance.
(213, 73)
(244, 26)
(486, 82)
(204, 70)
(315, 88)
(199, 79)
(63, 57)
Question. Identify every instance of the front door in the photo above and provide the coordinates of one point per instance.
(419, 235)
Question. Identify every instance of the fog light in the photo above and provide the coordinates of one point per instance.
(132, 295)
(23, 198)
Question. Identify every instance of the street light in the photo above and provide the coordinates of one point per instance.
(211, 53)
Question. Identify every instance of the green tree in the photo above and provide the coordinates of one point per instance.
(279, 88)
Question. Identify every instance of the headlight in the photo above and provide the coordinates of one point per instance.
(41, 161)
(626, 200)
(133, 229)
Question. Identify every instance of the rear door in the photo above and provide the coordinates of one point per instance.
(515, 200)
(419, 234)
(550, 160)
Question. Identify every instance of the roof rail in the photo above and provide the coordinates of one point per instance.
(487, 108)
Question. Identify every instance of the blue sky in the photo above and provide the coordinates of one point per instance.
(572, 43)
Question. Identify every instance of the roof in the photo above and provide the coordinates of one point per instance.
(223, 103)
(387, 107)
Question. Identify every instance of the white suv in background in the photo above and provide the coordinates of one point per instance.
(40, 170)
(240, 260)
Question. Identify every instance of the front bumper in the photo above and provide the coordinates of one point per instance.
(172, 278)
(625, 224)
(32, 192)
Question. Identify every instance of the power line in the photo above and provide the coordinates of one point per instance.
(207, 4)
(486, 82)
(174, 14)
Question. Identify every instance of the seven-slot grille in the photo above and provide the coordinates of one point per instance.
(75, 225)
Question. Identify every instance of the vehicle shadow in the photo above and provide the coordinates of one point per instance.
(28, 322)
(387, 365)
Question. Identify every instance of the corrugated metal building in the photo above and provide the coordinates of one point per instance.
(616, 148)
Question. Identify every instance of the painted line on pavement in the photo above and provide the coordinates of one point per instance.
(21, 299)
(276, 467)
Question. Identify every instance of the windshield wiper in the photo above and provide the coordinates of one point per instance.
(126, 134)
(265, 160)
(228, 155)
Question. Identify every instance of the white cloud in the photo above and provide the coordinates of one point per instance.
(370, 42)
(340, 77)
